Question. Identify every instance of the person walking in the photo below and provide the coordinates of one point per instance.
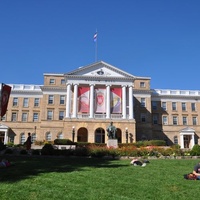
(28, 143)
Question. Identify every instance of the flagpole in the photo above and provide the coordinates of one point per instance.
(96, 52)
(0, 100)
(95, 40)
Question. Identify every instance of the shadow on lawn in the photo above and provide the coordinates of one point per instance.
(24, 167)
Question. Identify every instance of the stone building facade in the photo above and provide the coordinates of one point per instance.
(80, 105)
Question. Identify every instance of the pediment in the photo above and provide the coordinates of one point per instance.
(100, 69)
(3, 126)
(187, 129)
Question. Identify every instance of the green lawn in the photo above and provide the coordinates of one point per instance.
(93, 179)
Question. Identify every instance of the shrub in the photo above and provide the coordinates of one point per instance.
(81, 151)
(35, 152)
(195, 150)
(10, 144)
(63, 142)
(113, 152)
(175, 146)
(23, 152)
(98, 151)
(66, 152)
(47, 149)
(83, 144)
(8, 151)
(2, 146)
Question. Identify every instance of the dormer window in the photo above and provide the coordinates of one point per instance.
(142, 84)
(52, 81)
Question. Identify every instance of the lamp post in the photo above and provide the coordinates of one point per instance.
(73, 133)
(126, 135)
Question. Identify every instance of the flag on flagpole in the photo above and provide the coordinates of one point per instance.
(95, 37)
(5, 94)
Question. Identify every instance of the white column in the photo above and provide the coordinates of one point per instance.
(75, 101)
(91, 101)
(131, 102)
(68, 100)
(124, 101)
(108, 101)
(192, 141)
(6, 136)
(182, 141)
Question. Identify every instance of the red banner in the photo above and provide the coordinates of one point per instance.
(100, 94)
(5, 94)
(116, 100)
(83, 94)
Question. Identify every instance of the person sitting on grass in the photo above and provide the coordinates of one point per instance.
(4, 163)
(196, 171)
(137, 162)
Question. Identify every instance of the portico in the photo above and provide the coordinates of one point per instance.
(187, 138)
(103, 92)
(4, 133)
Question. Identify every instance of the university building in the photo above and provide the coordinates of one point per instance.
(81, 104)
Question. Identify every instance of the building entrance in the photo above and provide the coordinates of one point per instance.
(187, 141)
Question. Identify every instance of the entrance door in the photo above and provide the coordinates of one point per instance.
(2, 134)
(187, 141)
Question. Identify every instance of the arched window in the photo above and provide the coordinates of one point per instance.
(48, 136)
(60, 135)
(22, 138)
(82, 135)
(100, 135)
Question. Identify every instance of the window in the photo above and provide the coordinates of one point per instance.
(175, 120)
(61, 115)
(194, 120)
(142, 84)
(173, 105)
(165, 120)
(99, 135)
(52, 81)
(51, 99)
(15, 101)
(14, 117)
(62, 99)
(155, 119)
(143, 103)
(184, 107)
(143, 117)
(60, 135)
(22, 138)
(193, 106)
(35, 117)
(49, 115)
(48, 136)
(164, 106)
(62, 81)
(24, 117)
(154, 105)
(175, 140)
(25, 102)
(184, 120)
(33, 137)
(36, 102)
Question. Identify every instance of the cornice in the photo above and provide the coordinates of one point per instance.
(98, 77)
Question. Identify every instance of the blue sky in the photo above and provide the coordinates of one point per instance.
(154, 38)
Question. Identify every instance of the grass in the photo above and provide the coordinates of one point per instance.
(77, 178)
